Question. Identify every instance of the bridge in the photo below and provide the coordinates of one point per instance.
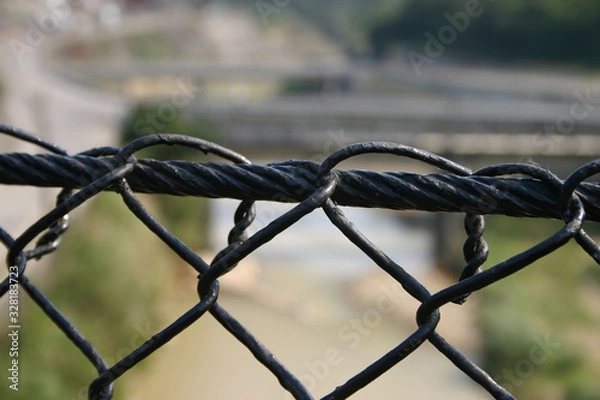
(448, 110)
(444, 113)
(463, 126)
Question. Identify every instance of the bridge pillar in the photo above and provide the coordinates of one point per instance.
(447, 242)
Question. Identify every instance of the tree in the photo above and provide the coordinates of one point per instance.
(536, 31)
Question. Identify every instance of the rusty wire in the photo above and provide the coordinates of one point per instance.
(508, 189)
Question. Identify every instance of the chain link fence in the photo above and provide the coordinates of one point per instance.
(518, 190)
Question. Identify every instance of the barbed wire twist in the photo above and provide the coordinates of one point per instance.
(521, 190)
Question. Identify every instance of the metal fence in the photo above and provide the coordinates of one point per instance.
(521, 190)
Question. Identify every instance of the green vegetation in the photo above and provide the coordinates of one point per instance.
(346, 22)
(512, 31)
(186, 217)
(540, 326)
(152, 46)
(293, 86)
(150, 118)
(302, 86)
(106, 278)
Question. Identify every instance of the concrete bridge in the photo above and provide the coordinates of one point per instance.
(442, 125)
(447, 117)
(448, 110)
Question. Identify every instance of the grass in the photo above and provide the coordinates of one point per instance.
(552, 299)
(106, 278)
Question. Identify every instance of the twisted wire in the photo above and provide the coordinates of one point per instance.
(293, 181)
(519, 190)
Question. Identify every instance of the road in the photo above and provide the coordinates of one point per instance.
(74, 117)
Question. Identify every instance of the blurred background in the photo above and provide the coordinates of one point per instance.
(480, 82)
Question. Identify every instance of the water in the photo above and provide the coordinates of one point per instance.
(316, 246)
(298, 295)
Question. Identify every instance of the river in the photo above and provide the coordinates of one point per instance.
(320, 305)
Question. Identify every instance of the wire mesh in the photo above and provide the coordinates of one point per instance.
(521, 190)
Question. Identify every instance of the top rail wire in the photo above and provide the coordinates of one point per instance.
(518, 190)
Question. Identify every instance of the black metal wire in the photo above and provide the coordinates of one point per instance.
(293, 181)
(499, 189)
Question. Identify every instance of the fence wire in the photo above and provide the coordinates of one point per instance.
(520, 190)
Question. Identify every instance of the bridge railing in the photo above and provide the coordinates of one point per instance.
(519, 190)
